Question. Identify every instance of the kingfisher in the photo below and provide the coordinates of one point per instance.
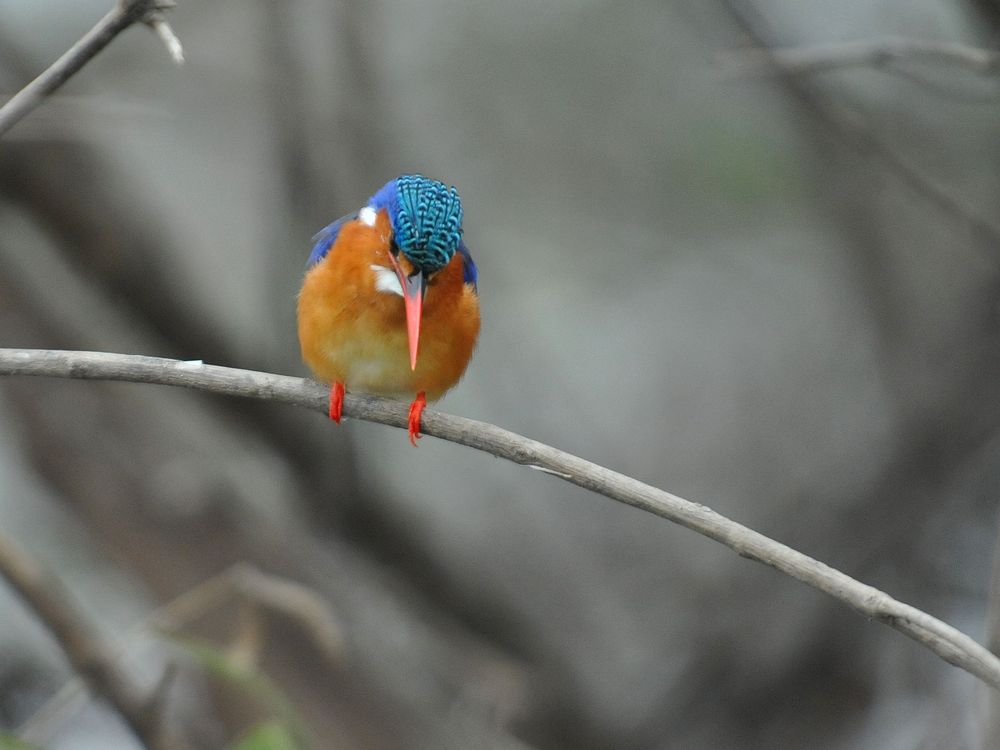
(390, 304)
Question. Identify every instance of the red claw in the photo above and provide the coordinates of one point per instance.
(416, 410)
(336, 401)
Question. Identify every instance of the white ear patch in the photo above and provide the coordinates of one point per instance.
(367, 216)
(386, 280)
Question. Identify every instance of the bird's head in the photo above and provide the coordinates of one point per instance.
(426, 218)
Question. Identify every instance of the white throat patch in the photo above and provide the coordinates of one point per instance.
(386, 280)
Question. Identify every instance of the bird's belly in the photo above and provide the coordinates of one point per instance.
(381, 365)
(385, 372)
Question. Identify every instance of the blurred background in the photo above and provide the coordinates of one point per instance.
(771, 291)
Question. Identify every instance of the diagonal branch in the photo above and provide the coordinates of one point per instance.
(87, 653)
(124, 14)
(947, 642)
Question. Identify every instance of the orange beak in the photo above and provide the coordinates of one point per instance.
(413, 287)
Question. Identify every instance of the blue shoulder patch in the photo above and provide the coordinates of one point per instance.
(471, 274)
(325, 238)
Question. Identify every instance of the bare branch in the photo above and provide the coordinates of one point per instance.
(85, 650)
(947, 642)
(124, 14)
(877, 53)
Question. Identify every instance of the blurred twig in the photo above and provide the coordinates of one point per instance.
(945, 641)
(124, 14)
(85, 650)
(262, 592)
(256, 590)
(877, 52)
(851, 128)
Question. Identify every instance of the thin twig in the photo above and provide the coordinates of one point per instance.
(158, 23)
(950, 644)
(876, 53)
(294, 601)
(86, 652)
(124, 14)
(263, 593)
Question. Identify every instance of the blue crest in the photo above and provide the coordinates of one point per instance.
(426, 219)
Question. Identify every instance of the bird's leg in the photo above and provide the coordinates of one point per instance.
(416, 409)
(336, 401)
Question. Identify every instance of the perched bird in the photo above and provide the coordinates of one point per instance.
(389, 304)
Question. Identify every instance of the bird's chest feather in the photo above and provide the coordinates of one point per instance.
(353, 328)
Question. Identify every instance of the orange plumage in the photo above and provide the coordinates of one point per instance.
(355, 334)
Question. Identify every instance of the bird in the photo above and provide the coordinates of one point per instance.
(389, 304)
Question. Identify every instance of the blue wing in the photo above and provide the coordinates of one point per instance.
(471, 275)
(325, 238)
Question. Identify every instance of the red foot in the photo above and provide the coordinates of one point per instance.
(416, 409)
(336, 401)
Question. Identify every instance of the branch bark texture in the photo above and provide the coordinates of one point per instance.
(944, 640)
(124, 14)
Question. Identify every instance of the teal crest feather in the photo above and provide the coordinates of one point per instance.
(427, 222)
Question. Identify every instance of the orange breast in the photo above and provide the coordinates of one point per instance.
(354, 334)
